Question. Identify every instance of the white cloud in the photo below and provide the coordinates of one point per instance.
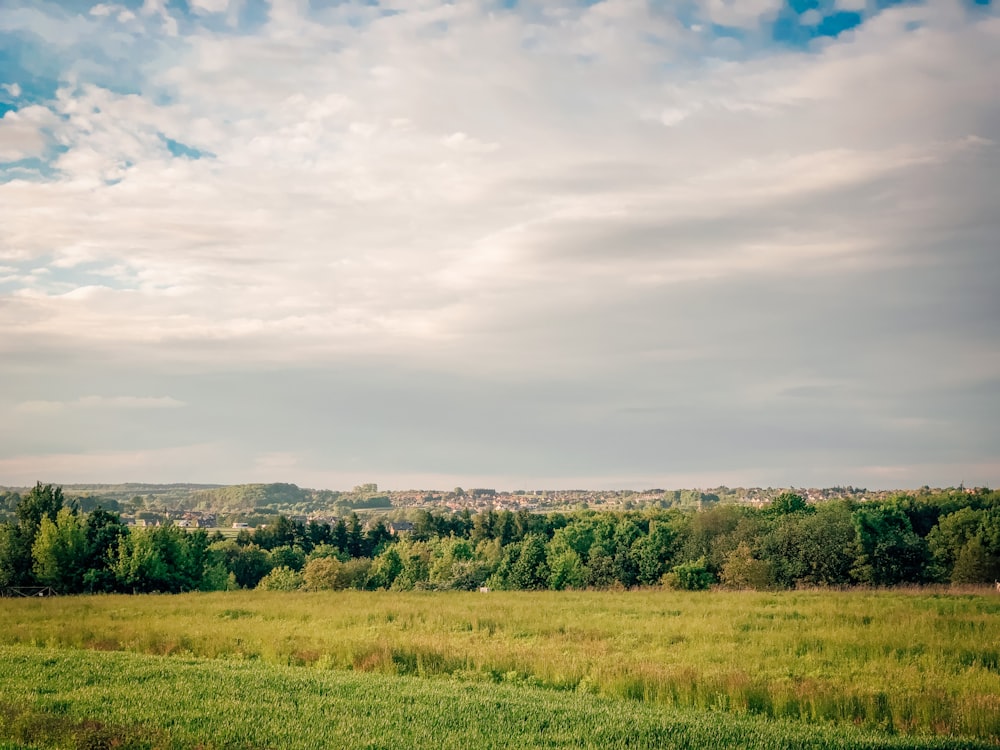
(130, 402)
(22, 133)
(157, 465)
(210, 6)
(100, 402)
(391, 171)
(740, 12)
(457, 190)
(811, 17)
(40, 407)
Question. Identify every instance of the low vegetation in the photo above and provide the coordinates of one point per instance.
(895, 662)
(75, 699)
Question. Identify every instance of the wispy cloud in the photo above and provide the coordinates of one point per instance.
(100, 402)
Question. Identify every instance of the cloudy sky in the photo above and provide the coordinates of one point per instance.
(518, 244)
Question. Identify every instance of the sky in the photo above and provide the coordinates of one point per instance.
(520, 244)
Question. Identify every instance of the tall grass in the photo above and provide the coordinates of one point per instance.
(903, 662)
(79, 699)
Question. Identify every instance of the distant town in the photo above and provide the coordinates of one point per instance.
(249, 506)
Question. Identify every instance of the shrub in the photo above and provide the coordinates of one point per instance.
(689, 576)
(281, 579)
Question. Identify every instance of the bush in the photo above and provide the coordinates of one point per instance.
(743, 571)
(281, 579)
(689, 576)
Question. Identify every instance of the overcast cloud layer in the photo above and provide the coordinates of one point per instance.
(511, 244)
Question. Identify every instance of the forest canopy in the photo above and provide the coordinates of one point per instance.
(948, 537)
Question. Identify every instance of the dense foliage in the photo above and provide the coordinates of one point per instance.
(926, 538)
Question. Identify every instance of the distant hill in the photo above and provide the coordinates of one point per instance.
(276, 497)
(239, 496)
(174, 495)
(131, 489)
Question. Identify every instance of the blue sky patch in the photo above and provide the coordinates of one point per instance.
(728, 32)
(789, 29)
(839, 22)
(26, 60)
(182, 150)
(29, 170)
(85, 274)
(43, 274)
(801, 6)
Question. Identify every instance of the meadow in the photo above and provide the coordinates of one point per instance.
(82, 699)
(834, 666)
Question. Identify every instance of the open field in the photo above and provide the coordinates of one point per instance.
(902, 662)
(80, 699)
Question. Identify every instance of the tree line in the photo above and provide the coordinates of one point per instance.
(949, 537)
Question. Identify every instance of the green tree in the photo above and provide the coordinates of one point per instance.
(15, 556)
(704, 530)
(355, 537)
(248, 564)
(690, 576)
(415, 562)
(566, 569)
(425, 526)
(318, 533)
(357, 572)
(138, 564)
(825, 545)
(578, 536)
(157, 559)
(529, 571)
(504, 528)
(653, 553)
(600, 567)
(60, 552)
(451, 564)
(104, 530)
(286, 556)
(788, 502)
(281, 578)
(377, 537)
(216, 577)
(950, 536)
(744, 571)
(43, 501)
(17, 540)
(281, 532)
(974, 564)
(386, 567)
(322, 573)
(816, 548)
(888, 552)
(483, 525)
(338, 536)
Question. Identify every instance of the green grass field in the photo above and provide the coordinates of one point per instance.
(87, 699)
(603, 669)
